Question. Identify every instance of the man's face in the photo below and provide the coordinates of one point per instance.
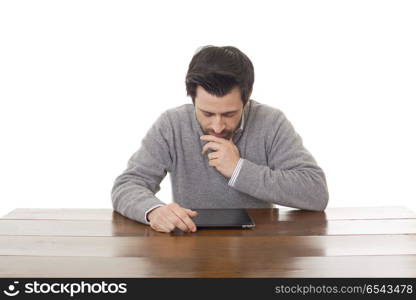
(218, 116)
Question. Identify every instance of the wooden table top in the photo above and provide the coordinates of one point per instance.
(340, 242)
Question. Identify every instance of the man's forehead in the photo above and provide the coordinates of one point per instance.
(213, 104)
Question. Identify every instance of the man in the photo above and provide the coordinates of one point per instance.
(222, 151)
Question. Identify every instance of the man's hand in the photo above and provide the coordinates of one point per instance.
(225, 156)
(168, 217)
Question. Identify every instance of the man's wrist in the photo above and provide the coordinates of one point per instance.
(236, 172)
(146, 214)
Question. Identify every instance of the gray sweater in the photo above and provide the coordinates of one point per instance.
(275, 167)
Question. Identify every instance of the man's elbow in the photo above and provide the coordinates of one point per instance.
(116, 192)
(316, 195)
(321, 198)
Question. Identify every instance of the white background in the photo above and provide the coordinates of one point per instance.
(82, 81)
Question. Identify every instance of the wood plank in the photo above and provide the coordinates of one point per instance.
(187, 246)
(282, 214)
(258, 266)
(127, 227)
(336, 213)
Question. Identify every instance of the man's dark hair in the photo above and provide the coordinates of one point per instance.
(218, 70)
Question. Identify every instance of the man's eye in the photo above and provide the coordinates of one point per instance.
(229, 115)
(208, 114)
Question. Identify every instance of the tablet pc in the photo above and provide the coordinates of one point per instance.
(223, 217)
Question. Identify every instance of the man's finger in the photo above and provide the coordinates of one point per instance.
(177, 222)
(213, 155)
(211, 138)
(166, 220)
(171, 220)
(213, 162)
(161, 226)
(210, 145)
(184, 217)
(191, 212)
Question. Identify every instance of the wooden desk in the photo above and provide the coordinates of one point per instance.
(341, 242)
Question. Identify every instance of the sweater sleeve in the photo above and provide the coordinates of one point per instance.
(292, 177)
(133, 192)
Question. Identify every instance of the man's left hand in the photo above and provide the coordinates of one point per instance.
(225, 156)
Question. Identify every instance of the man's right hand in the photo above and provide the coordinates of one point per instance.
(168, 217)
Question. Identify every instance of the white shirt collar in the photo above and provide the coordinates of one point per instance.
(242, 121)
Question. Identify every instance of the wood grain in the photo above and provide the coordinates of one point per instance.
(232, 246)
(199, 266)
(340, 242)
(276, 228)
(281, 214)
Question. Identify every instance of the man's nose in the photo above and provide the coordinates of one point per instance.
(218, 125)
